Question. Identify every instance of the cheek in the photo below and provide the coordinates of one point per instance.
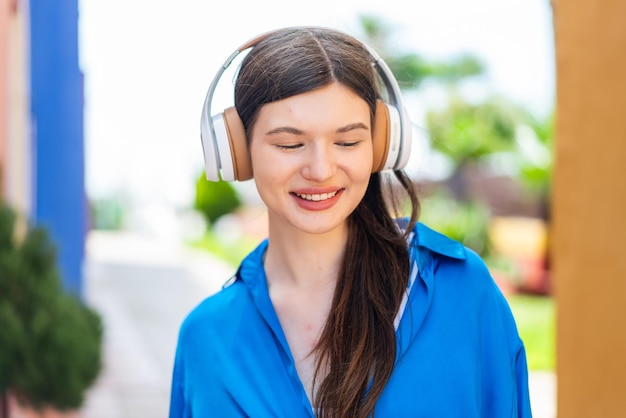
(266, 169)
(259, 162)
(360, 177)
(362, 167)
(269, 176)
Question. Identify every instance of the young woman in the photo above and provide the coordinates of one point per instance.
(347, 309)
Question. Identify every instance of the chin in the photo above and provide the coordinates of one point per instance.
(322, 226)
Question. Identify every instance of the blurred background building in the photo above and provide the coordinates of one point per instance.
(41, 124)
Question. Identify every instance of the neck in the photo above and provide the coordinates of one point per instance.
(304, 260)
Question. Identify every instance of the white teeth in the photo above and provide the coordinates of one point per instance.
(316, 197)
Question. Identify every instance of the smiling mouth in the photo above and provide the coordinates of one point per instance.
(316, 197)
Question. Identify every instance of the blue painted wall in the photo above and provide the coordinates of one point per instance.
(57, 102)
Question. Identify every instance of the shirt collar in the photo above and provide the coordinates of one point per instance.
(438, 243)
(423, 238)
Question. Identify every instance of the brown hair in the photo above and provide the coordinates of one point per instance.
(357, 347)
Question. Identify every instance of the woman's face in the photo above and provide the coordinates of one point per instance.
(312, 158)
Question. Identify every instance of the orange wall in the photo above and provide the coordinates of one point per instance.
(589, 207)
(15, 144)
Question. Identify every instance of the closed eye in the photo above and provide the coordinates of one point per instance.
(349, 144)
(288, 146)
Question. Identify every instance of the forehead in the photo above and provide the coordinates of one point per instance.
(331, 107)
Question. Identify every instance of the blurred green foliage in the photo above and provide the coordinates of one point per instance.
(466, 222)
(215, 199)
(230, 251)
(535, 317)
(411, 69)
(466, 131)
(536, 167)
(108, 213)
(50, 344)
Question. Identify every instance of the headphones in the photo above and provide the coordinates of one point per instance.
(225, 145)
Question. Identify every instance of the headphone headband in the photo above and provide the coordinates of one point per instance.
(400, 136)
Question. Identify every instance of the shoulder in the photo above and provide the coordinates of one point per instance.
(453, 268)
(462, 282)
(214, 314)
(459, 270)
(222, 311)
(216, 305)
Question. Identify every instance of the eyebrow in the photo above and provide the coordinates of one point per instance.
(352, 127)
(284, 129)
(295, 131)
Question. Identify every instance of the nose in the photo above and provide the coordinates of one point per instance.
(320, 164)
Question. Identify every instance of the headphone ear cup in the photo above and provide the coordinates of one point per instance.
(380, 136)
(238, 146)
(387, 137)
(226, 152)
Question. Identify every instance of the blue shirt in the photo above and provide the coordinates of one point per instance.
(458, 350)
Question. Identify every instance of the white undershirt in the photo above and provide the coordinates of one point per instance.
(407, 291)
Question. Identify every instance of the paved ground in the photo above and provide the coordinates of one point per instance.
(143, 288)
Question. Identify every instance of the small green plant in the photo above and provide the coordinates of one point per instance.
(108, 213)
(50, 343)
(215, 199)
